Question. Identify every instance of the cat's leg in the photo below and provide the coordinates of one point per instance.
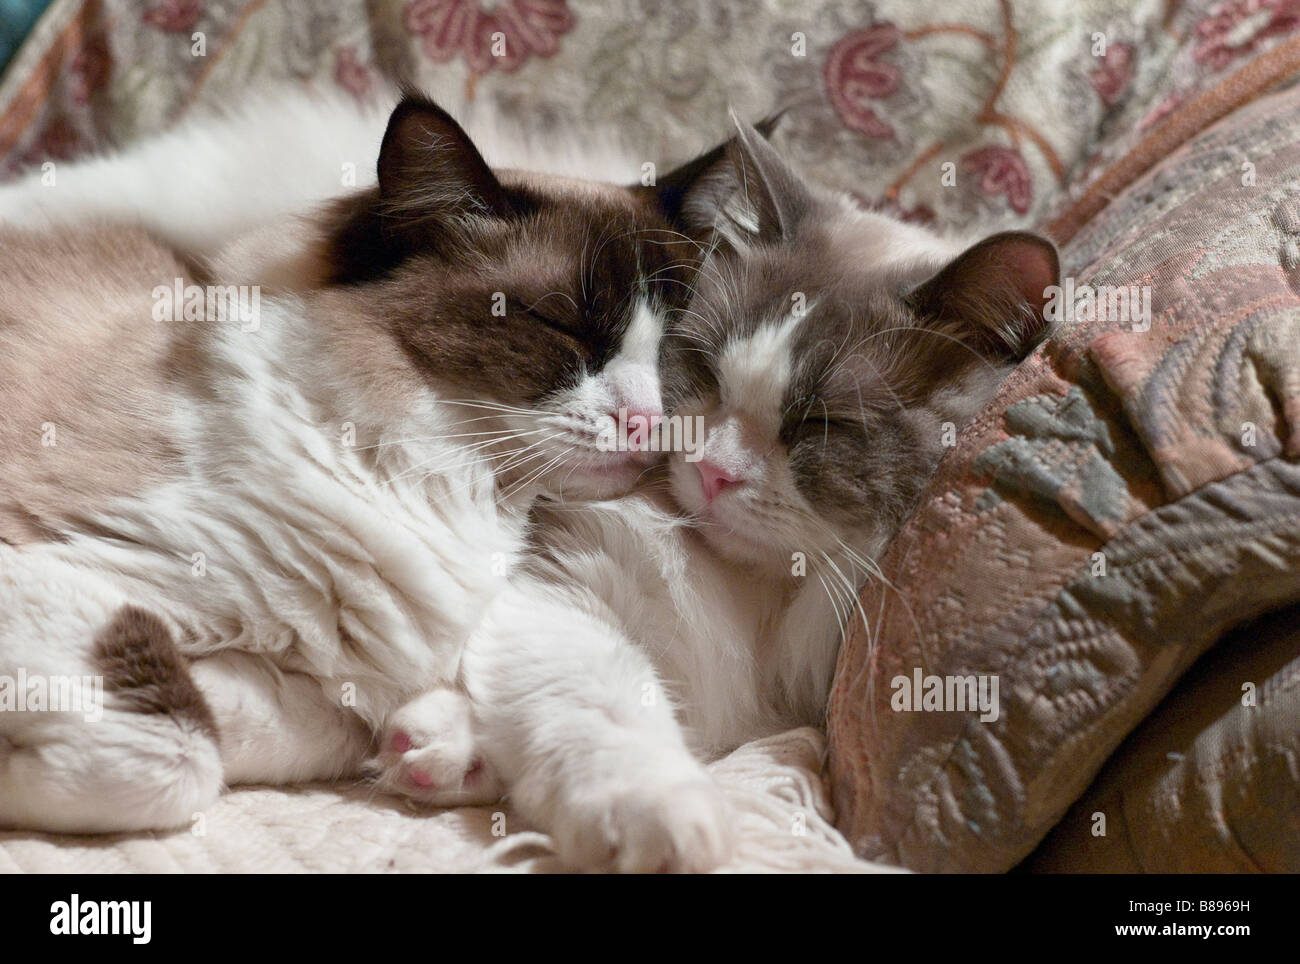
(277, 727)
(430, 751)
(581, 729)
(102, 729)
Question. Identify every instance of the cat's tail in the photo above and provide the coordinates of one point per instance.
(216, 175)
(100, 734)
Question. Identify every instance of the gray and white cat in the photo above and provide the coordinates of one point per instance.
(824, 349)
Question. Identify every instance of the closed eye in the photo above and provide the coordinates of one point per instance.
(807, 409)
(578, 332)
(553, 322)
(811, 414)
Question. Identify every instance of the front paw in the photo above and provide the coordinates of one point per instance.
(428, 752)
(680, 828)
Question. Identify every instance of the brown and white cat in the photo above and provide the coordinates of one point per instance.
(825, 350)
(264, 534)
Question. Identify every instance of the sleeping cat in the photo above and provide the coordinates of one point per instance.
(266, 537)
(825, 349)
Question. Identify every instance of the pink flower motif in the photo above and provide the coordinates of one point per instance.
(352, 75)
(856, 75)
(452, 28)
(1110, 78)
(1001, 170)
(1237, 27)
(174, 16)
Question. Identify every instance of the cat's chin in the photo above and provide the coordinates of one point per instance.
(744, 550)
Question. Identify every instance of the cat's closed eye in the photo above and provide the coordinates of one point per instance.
(563, 324)
(811, 416)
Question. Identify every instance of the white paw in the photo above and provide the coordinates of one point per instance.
(428, 752)
(680, 828)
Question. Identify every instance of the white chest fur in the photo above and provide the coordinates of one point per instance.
(353, 547)
(744, 655)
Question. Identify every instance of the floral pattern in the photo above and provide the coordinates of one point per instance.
(857, 74)
(888, 98)
(461, 28)
(1235, 29)
(352, 75)
(1110, 79)
(1001, 171)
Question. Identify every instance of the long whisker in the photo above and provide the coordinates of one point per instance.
(921, 330)
(533, 476)
(562, 294)
(496, 434)
(456, 455)
(491, 406)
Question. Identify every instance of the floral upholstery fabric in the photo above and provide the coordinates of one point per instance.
(971, 115)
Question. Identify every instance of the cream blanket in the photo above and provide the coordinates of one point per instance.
(782, 812)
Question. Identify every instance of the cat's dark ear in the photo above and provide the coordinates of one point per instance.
(704, 179)
(429, 168)
(995, 292)
(770, 199)
(740, 192)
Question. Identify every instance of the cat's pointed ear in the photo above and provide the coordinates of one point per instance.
(996, 292)
(770, 199)
(429, 168)
(706, 179)
(740, 192)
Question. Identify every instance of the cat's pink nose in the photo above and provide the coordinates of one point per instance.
(714, 479)
(637, 425)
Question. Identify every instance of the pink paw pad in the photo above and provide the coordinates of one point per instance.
(400, 742)
(420, 777)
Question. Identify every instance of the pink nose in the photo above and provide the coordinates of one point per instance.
(714, 479)
(637, 425)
